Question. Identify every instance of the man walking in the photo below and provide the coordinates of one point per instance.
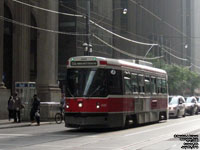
(35, 110)
(17, 107)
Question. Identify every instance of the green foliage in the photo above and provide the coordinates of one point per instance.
(181, 81)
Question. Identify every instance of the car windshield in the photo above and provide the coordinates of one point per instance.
(190, 100)
(86, 82)
(174, 100)
(170, 98)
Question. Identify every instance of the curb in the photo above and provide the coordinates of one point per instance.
(10, 125)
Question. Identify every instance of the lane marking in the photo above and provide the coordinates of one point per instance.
(160, 128)
(15, 134)
(154, 140)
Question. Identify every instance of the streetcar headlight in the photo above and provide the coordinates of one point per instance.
(80, 104)
(97, 106)
(67, 106)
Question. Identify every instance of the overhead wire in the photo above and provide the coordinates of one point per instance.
(44, 9)
(157, 17)
(133, 41)
(74, 15)
(124, 52)
(41, 29)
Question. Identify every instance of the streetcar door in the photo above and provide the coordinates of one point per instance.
(140, 100)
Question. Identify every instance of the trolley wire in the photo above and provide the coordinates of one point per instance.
(133, 41)
(41, 29)
(44, 9)
(74, 15)
(157, 17)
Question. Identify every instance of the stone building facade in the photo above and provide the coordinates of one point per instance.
(27, 54)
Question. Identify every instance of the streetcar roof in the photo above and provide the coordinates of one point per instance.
(117, 62)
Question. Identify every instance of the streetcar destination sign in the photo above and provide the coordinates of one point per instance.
(84, 63)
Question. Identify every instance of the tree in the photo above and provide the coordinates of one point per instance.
(181, 80)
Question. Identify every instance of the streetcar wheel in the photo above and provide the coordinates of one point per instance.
(58, 118)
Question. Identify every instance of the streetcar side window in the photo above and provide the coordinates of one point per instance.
(141, 83)
(159, 85)
(115, 82)
(134, 82)
(164, 86)
(127, 82)
(147, 84)
(153, 85)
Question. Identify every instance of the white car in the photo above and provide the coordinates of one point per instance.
(177, 106)
(191, 105)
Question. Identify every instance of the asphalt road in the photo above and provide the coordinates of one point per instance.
(159, 136)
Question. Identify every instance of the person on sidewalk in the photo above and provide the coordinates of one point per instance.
(62, 102)
(10, 108)
(17, 108)
(35, 110)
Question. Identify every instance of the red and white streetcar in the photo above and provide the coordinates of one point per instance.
(108, 93)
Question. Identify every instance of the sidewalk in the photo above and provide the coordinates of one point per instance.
(4, 124)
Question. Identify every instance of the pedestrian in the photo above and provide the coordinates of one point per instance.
(35, 110)
(10, 107)
(62, 102)
(17, 108)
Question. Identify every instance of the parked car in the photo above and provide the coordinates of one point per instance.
(177, 106)
(170, 98)
(198, 103)
(191, 105)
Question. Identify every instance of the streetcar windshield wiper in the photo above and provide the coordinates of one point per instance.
(70, 93)
(94, 91)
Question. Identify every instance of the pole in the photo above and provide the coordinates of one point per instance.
(88, 40)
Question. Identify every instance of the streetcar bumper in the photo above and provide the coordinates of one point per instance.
(93, 120)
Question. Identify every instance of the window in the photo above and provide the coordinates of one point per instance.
(141, 83)
(159, 85)
(89, 82)
(153, 84)
(147, 84)
(115, 81)
(164, 86)
(134, 82)
(127, 83)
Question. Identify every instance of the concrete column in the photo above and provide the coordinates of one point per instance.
(4, 93)
(47, 55)
(21, 44)
(1, 43)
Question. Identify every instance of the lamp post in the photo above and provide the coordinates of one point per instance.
(88, 46)
(184, 46)
(114, 21)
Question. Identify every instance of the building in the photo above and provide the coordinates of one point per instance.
(27, 54)
(195, 34)
(34, 45)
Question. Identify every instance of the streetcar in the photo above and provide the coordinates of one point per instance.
(113, 93)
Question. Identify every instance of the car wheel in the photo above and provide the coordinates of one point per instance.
(192, 112)
(184, 114)
(197, 111)
(177, 115)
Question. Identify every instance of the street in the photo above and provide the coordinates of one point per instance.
(57, 137)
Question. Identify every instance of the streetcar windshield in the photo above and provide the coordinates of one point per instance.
(86, 82)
